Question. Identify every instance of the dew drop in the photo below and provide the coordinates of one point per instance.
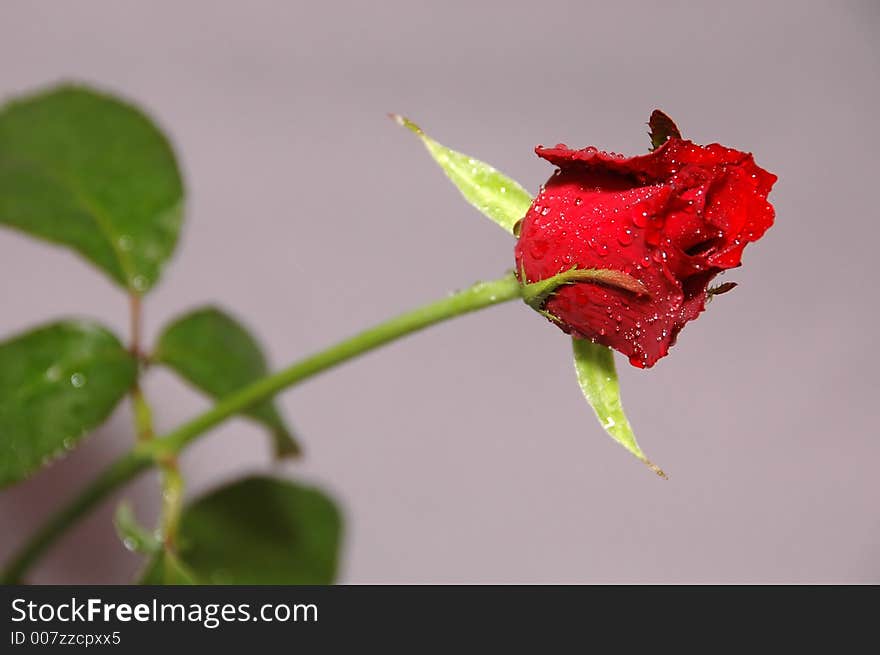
(78, 380)
(517, 228)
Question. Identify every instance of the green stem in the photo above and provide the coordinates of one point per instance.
(172, 502)
(479, 296)
(117, 474)
(149, 453)
(143, 414)
(172, 481)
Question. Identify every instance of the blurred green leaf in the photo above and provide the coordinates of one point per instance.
(493, 193)
(597, 376)
(218, 355)
(166, 568)
(259, 530)
(134, 536)
(57, 383)
(95, 174)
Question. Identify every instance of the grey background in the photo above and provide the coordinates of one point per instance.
(466, 454)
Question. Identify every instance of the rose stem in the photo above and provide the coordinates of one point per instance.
(158, 451)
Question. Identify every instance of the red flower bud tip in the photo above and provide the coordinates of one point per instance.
(672, 219)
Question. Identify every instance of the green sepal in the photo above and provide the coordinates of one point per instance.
(494, 194)
(662, 128)
(597, 377)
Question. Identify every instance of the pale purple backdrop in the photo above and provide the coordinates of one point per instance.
(466, 454)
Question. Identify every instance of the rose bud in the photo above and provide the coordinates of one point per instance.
(672, 219)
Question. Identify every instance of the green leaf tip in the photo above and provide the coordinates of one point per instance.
(403, 121)
(663, 128)
(495, 195)
(597, 377)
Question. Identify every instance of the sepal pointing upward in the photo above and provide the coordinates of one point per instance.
(497, 196)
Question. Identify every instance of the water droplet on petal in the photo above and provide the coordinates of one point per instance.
(538, 248)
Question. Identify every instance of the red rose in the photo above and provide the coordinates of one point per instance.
(672, 219)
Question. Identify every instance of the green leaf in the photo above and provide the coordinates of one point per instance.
(663, 128)
(259, 530)
(218, 355)
(134, 536)
(493, 193)
(597, 376)
(95, 174)
(57, 383)
(167, 569)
